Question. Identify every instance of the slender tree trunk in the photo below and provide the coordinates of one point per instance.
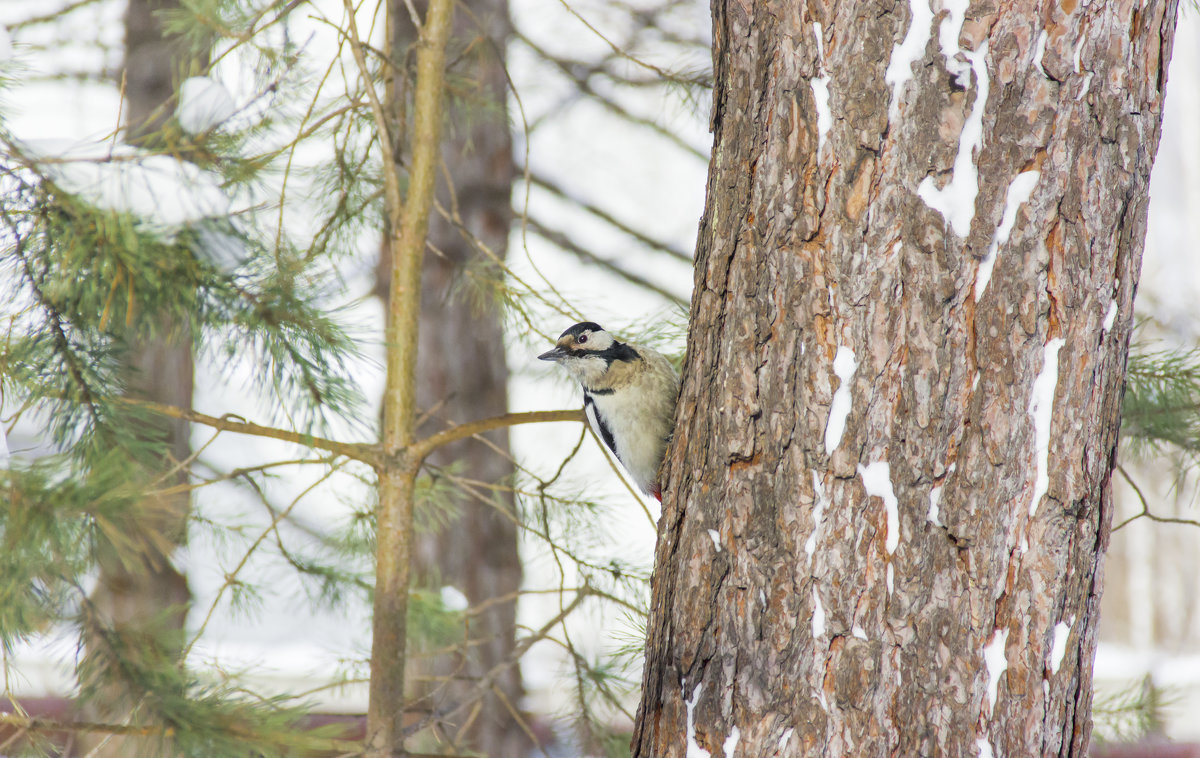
(408, 227)
(888, 493)
(462, 376)
(145, 592)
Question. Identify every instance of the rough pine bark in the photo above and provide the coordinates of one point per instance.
(462, 376)
(926, 222)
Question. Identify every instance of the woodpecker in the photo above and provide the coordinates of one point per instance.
(629, 396)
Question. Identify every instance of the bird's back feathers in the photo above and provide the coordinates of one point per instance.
(626, 410)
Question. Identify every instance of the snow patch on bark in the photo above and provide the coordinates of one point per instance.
(1110, 317)
(716, 538)
(820, 88)
(857, 632)
(985, 748)
(956, 201)
(818, 615)
(693, 748)
(1058, 648)
(948, 34)
(844, 366)
(820, 500)
(783, 738)
(1039, 50)
(877, 481)
(731, 742)
(1041, 408)
(1018, 194)
(1083, 88)
(891, 578)
(997, 664)
(904, 55)
(935, 498)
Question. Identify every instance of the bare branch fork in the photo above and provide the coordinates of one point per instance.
(368, 453)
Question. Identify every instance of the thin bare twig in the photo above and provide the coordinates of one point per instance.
(1146, 513)
(51, 16)
(488, 679)
(390, 180)
(550, 186)
(359, 451)
(231, 577)
(571, 246)
(427, 445)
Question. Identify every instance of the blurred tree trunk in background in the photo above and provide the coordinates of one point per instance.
(463, 376)
(928, 227)
(141, 596)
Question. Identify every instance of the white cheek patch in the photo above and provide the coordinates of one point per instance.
(599, 341)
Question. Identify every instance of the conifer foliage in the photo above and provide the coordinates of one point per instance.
(83, 283)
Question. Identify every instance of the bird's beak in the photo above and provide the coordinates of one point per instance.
(557, 354)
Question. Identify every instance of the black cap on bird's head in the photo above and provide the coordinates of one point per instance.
(578, 339)
(581, 328)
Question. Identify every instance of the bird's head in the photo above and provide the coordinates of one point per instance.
(585, 351)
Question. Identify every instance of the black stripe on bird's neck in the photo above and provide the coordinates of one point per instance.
(602, 427)
(588, 391)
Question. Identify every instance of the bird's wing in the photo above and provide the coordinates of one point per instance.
(596, 421)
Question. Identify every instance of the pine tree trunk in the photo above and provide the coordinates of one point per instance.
(944, 258)
(463, 376)
(146, 594)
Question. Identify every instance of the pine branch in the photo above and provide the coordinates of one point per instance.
(359, 451)
(427, 445)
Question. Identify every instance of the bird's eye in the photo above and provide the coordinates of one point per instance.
(582, 339)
